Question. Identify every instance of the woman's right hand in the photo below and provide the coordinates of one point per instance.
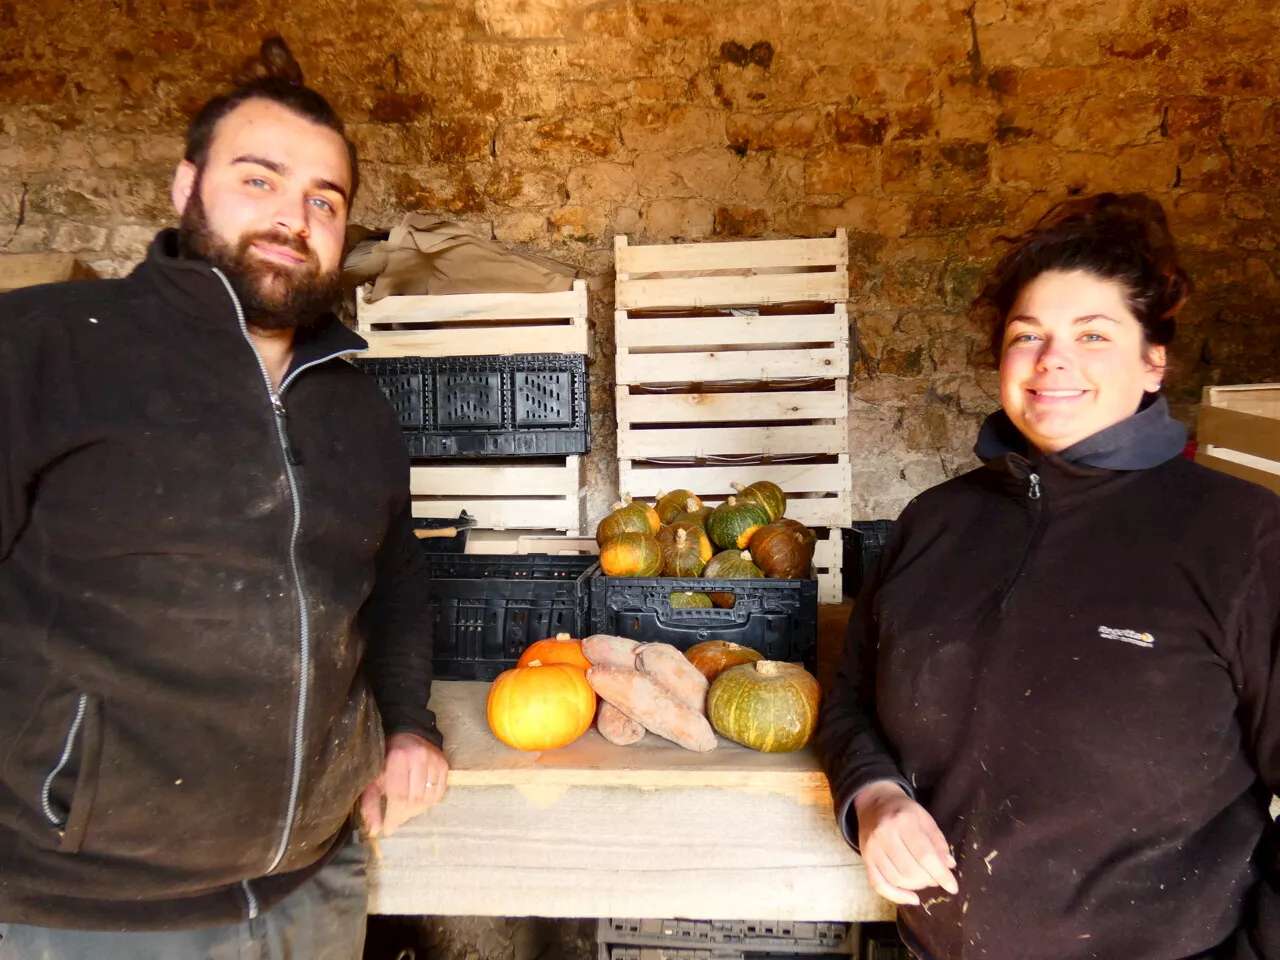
(902, 847)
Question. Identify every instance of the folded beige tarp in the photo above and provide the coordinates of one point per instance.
(425, 256)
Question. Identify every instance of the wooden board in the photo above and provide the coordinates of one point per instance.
(595, 830)
(29, 269)
(1239, 432)
(509, 495)
(476, 324)
(828, 561)
(700, 407)
(750, 272)
(730, 255)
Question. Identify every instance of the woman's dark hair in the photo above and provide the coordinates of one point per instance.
(1119, 237)
(272, 75)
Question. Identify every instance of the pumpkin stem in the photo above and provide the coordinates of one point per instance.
(562, 637)
(661, 494)
(738, 486)
(534, 663)
(618, 506)
(691, 505)
(681, 537)
(768, 668)
(733, 501)
(746, 555)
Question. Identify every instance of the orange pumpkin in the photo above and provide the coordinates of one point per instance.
(714, 657)
(561, 648)
(541, 706)
(631, 555)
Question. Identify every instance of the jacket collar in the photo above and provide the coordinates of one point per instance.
(1146, 439)
(194, 287)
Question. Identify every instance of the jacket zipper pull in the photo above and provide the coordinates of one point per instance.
(1034, 492)
(282, 415)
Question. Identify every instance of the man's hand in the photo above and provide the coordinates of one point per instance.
(902, 847)
(413, 779)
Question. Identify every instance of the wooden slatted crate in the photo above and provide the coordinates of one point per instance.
(28, 269)
(732, 365)
(508, 498)
(1239, 432)
(476, 324)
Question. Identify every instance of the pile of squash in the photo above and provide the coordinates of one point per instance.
(745, 537)
(550, 698)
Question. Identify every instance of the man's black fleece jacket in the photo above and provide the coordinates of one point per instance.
(1071, 662)
(211, 603)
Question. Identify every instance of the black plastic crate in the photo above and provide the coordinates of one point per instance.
(530, 404)
(755, 936)
(861, 548)
(485, 610)
(439, 544)
(779, 618)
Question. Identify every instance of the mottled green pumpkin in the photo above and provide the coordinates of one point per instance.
(730, 565)
(628, 516)
(695, 511)
(767, 705)
(631, 555)
(731, 524)
(685, 550)
(767, 494)
(671, 505)
(689, 600)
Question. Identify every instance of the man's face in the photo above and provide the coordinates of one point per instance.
(269, 208)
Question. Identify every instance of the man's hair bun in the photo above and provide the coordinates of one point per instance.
(273, 64)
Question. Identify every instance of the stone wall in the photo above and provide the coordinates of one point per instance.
(926, 127)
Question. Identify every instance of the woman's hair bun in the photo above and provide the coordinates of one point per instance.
(273, 64)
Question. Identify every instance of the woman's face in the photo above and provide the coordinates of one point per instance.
(1074, 359)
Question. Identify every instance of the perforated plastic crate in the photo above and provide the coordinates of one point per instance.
(754, 936)
(485, 609)
(779, 618)
(863, 544)
(527, 404)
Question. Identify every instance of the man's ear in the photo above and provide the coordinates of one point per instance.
(184, 184)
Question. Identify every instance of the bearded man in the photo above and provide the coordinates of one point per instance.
(213, 640)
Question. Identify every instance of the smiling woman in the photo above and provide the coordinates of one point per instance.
(1068, 749)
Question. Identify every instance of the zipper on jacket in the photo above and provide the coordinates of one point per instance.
(1037, 531)
(250, 900)
(304, 651)
(68, 747)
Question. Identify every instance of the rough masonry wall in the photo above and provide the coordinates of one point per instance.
(926, 127)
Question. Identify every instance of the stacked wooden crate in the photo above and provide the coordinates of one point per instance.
(733, 366)
(507, 496)
(1239, 432)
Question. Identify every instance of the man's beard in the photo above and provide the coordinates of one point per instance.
(273, 296)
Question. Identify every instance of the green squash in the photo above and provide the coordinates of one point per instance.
(628, 516)
(689, 600)
(631, 555)
(730, 565)
(766, 705)
(695, 511)
(731, 524)
(671, 505)
(685, 550)
(767, 494)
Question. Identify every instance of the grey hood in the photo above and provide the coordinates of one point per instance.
(1146, 439)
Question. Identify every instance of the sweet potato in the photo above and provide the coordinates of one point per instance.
(645, 701)
(616, 727)
(674, 673)
(606, 651)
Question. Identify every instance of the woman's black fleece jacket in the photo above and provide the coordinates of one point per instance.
(1071, 661)
(211, 604)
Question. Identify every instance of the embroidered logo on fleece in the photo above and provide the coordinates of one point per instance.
(1127, 636)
